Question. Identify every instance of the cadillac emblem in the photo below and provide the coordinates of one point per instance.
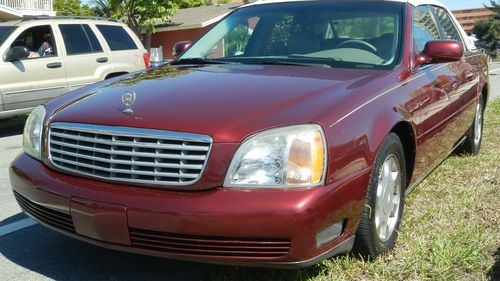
(128, 99)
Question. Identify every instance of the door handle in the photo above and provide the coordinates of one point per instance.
(102, 60)
(54, 65)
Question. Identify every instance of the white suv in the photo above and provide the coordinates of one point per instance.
(45, 57)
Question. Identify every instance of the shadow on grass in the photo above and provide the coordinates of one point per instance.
(12, 126)
(495, 270)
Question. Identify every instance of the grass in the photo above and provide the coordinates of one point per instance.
(450, 229)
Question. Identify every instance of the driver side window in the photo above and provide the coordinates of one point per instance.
(424, 27)
(39, 40)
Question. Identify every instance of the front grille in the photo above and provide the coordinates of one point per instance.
(45, 215)
(129, 154)
(209, 246)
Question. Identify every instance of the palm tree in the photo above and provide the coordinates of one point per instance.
(102, 8)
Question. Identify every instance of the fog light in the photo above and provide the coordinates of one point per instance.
(328, 234)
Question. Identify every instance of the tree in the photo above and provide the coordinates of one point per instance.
(102, 8)
(494, 27)
(481, 28)
(489, 30)
(142, 15)
(72, 8)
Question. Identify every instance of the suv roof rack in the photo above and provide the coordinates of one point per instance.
(66, 17)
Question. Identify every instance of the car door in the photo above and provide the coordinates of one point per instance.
(29, 82)
(437, 94)
(126, 54)
(86, 62)
(467, 80)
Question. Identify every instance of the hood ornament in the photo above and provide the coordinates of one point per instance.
(128, 100)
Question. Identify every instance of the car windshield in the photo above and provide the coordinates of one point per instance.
(355, 34)
(5, 31)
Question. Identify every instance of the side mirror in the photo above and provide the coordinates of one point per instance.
(440, 51)
(180, 47)
(18, 52)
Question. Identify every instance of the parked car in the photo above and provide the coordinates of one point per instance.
(289, 133)
(45, 57)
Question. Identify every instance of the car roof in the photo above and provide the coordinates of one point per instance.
(58, 19)
(412, 2)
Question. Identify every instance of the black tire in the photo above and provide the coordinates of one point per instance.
(368, 243)
(474, 137)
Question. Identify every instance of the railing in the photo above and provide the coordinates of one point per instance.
(43, 5)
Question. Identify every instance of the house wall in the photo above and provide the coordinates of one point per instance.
(168, 39)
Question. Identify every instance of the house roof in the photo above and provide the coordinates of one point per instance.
(198, 17)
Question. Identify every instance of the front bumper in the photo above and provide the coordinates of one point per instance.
(230, 226)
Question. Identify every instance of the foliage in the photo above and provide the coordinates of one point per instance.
(364, 27)
(142, 15)
(481, 28)
(236, 40)
(72, 8)
(102, 8)
(191, 3)
(489, 30)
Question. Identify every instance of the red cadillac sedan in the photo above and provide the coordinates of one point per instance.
(289, 133)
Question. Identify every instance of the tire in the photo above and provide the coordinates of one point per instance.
(474, 137)
(373, 237)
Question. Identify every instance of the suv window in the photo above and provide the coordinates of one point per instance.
(448, 27)
(5, 31)
(424, 27)
(79, 39)
(39, 40)
(117, 37)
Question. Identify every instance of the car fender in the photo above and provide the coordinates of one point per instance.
(353, 145)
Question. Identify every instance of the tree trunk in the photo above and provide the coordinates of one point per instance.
(147, 40)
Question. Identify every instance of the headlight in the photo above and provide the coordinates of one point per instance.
(292, 156)
(33, 130)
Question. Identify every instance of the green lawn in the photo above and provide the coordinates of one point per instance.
(450, 230)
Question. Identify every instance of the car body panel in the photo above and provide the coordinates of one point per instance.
(357, 109)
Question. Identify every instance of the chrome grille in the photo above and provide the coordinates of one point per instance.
(129, 154)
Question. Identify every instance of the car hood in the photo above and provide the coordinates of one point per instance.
(226, 102)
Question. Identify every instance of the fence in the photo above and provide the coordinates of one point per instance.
(41, 5)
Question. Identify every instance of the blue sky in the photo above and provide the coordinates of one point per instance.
(464, 4)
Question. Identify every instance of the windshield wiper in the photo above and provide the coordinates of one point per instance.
(197, 61)
(281, 62)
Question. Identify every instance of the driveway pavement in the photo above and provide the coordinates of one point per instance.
(29, 251)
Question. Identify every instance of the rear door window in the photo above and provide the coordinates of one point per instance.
(79, 39)
(117, 37)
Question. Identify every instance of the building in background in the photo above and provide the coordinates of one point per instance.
(469, 17)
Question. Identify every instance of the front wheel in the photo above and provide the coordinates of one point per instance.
(381, 217)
